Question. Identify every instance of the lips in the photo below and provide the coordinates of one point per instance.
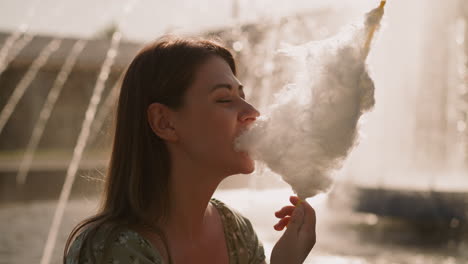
(237, 134)
(236, 138)
(243, 129)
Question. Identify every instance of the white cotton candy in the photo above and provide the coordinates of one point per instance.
(309, 130)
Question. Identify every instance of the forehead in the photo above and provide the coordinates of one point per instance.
(215, 70)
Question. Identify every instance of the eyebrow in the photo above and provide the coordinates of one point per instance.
(225, 85)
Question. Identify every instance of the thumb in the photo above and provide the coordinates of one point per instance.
(296, 221)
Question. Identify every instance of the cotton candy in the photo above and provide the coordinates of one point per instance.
(312, 126)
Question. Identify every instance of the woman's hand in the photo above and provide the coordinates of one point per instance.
(299, 237)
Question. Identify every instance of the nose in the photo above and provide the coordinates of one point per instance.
(248, 114)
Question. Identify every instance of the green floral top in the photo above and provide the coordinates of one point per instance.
(127, 246)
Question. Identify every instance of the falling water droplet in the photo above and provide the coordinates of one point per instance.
(237, 46)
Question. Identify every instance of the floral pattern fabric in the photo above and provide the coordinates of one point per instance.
(127, 246)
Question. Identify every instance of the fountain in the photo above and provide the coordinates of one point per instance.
(412, 154)
(420, 172)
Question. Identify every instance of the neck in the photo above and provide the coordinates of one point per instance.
(191, 189)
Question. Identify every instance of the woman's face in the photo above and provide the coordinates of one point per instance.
(214, 113)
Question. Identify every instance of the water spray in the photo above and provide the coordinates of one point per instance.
(83, 137)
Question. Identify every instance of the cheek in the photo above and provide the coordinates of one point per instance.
(210, 129)
(220, 126)
(209, 137)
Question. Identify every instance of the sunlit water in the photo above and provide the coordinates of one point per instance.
(342, 236)
(46, 111)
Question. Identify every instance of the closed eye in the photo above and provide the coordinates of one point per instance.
(229, 87)
(224, 101)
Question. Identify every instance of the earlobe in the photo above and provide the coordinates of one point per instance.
(159, 120)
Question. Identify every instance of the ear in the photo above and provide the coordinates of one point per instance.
(159, 119)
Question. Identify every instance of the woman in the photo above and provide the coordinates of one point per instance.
(179, 111)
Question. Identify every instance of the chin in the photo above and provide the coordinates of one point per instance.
(249, 170)
(248, 165)
(239, 163)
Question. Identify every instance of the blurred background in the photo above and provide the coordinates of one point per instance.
(402, 196)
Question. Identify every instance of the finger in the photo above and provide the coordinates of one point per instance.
(309, 212)
(296, 220)
(310, 217)
(278, 228)
(295, 200)
(285, 211)
(282, 223)
(308, 231)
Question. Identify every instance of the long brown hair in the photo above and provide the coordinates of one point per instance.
(136, 184)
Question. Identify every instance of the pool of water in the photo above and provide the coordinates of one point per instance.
(343, 236)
